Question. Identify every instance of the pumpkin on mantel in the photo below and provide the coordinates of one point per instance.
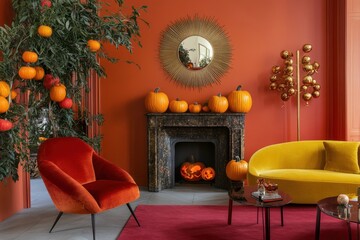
(192, 171)
(195, 107)
(240, 101)
(156, 101)
(178, 106)
(218, 104)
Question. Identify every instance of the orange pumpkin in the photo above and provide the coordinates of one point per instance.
(240, 100)
(4, 104)
(5, 125)
(93, 45)
(156, 101)
(192, 171)
(195, 107)
(26, 72)
(218, 103)
(237, 169)
(40, 73)
(4, 89)
(58, 92)
(29, 57)
(178, 106)
(208, 174)
(205, 108)
(44, 31)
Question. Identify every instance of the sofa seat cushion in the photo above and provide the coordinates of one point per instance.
(310, 175)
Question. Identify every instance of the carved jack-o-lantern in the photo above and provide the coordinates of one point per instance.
(191, 171)
(208, 174)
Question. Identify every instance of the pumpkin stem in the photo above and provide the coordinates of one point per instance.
(237, 158)
(177, 99)
(157, 90)
(219, 94)
(196, 103)
(238, 88)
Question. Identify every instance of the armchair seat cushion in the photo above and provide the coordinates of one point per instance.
(109, 193)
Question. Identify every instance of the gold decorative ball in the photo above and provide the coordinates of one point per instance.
(303, 88)
(317, 87)
(281, 86)
(316, 94)
(273, 78)
(285, 54)
(289, 61)
(307, 48)
(284, 96)
(307, 80)
(289, 80)
(273, 86)
(275, 69)
(308, 67)
(291, 91)
(289, 69)
(316, 66)
(305, 59)
(307, 96)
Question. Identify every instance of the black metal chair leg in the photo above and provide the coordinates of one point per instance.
(56, 220)
(93, 225)
(133, 214)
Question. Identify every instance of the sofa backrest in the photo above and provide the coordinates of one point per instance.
(308, 154)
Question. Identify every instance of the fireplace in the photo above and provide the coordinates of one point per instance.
(173, 136)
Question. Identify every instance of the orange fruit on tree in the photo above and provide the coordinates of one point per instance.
(13, 94)
(45, 31)
(26, 72)
(93, 45)
(40, 73)
(30, 57)
(4, 89)
(4, 104)
(58, 92)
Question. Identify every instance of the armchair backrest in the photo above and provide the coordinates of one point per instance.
(72, 155)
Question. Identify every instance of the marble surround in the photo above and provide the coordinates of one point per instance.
(164, 130)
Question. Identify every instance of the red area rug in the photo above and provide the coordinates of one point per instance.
(191, 222)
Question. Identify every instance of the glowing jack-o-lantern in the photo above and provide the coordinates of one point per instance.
(192, 171)
(208, 174)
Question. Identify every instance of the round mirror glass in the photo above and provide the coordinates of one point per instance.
(195, 52)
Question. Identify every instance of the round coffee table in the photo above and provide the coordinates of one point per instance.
(330, 207)
(249, 200)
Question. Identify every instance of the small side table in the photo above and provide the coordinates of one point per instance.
(330, 207)
(249, 200)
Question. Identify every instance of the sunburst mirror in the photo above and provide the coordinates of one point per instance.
(195, 52)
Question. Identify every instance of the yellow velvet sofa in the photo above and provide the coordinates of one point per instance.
(308, 170)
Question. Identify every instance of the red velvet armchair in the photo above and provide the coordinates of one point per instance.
(80, 181)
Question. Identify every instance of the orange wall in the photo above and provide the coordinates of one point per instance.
(258, 30)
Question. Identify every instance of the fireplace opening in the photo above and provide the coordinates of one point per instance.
(193, 152)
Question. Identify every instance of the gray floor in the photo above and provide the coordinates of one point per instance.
(34, 223)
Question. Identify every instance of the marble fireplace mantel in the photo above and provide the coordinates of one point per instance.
(164, 129)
